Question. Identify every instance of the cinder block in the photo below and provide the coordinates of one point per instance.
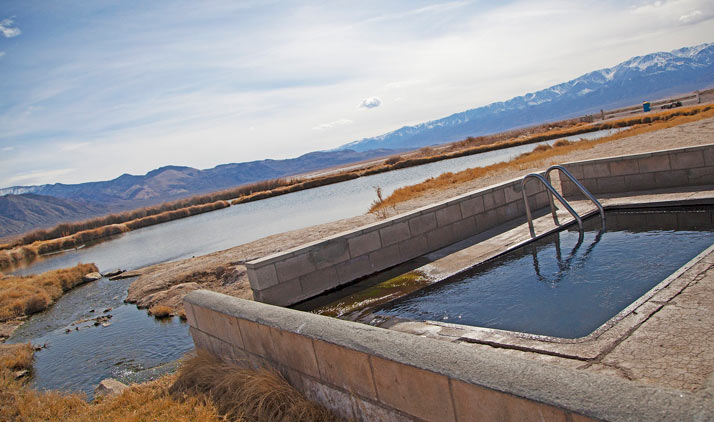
(471, 206)
(508, 212)
(364, 243)
(465, 228)
(329, 252)
(642, 181)
(319, 281)
(623, 167)
(686, 160)
(204, 319)
(487, 220)
(422, 223)
(222, 350)
(672, 178)
(190, 317)
(481, 404)
(283, 294)
(412, 248)
(394, 233)
(576, 170)
(708, 156)
(654, 163)
(367, 411)
(494, 199)
(226, 329)
(295, 351)
(513, 193)
(257, 339)
(596, 169)
(417, 392)
(262, 277)
(339, 402)
(345, 368)
(611, 184)
(201, 340)
(448, 215)
(437, 239)
(353, 269)
(294, 267)
(385, 258)
(701, 177)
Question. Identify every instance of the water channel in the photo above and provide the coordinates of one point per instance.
(135, 343)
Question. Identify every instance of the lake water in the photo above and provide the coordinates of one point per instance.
(136, 346)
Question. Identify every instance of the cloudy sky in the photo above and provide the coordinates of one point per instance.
(93, 89)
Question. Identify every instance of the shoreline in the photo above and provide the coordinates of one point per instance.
(225, 272)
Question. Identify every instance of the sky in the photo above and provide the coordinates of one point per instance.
(92, 89)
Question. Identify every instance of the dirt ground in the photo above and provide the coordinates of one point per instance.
(225, 272)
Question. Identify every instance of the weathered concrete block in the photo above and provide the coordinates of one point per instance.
(642, 181)
(487, 220)
(423, 394)
(702, 176)
(686, 160)
(294, 267)
(412, 248)
(353, 269)
(295, 351)
(227, 329)
(262, 277)
(672, 178)
(513, 193)
(422, 223)
(708, 156)
(328, 253)
(494, 199)
(472, 206)
(623, 167)
(283, 294)
(334, 399)
(257, 339)
(508, 212)
(440, 237)
(591, 170)
(611, 184)
(385, 257)
(394, 233)
(201, 340)
(465, 228)
(480, 404)
(319, 281)
(345, 368)
(448, 215)
(654, 163)
(364, 243)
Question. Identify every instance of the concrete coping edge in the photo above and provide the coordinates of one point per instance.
(594, 395)
(642, 155)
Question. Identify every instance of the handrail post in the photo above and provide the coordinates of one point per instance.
(579, 185)
(555, 193)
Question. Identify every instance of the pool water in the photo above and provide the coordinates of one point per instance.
(565, 286)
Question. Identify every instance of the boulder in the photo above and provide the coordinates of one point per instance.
(109, 387)
(91, 277)
(113, 273)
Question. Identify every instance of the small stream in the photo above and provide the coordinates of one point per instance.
(135, 346)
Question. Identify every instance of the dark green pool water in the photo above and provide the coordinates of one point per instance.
(564, 286)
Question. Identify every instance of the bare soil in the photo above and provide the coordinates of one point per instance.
(225, 272)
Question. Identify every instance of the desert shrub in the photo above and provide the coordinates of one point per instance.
(160, 311)
(561, 143)
(393, 160)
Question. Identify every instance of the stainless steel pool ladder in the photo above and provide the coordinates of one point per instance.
(552, 192)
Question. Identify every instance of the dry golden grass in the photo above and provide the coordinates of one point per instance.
(16, 357)
(244, 394)
(654, 121)
(30, 294)
(160, 311)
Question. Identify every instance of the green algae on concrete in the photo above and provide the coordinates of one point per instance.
(349, 307)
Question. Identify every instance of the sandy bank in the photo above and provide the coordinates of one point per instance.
(224, 271)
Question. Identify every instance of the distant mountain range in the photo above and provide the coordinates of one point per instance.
(23, 208)
(647, 77)
(630, 82)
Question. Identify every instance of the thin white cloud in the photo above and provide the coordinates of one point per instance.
(8, 149)
(331, 125)
(7, 30)
(74, 146)
(39, 176)
(691, 17)
(370, 102)
(2, 53)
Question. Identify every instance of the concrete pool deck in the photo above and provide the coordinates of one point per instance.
(665, 338)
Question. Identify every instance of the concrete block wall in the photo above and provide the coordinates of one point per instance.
(367, 373)
(289, 277)
(682, 167)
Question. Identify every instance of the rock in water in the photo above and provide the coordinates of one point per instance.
(91, 277)
(109, 387)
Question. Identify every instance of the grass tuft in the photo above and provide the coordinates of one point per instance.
(245, 394)
(160, 311)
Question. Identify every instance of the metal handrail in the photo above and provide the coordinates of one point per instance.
(582, 188)
(553, 192)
